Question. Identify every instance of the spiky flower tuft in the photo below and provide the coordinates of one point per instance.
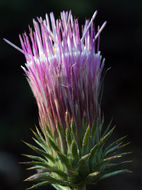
(64, 69)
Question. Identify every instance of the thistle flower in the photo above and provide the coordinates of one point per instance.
(64, 69)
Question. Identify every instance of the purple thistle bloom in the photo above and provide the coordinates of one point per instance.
(64, 69)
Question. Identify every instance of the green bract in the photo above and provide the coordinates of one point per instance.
(74, 165)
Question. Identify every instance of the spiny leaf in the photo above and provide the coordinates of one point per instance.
(62, 139)
(38, 136)
(73, 131)
(114, 173)
(68, 137)
(115, 149)
(38, 185)
(36, 163)
(83, 165)
(34, 157)
(59, 187)
(101, 142)
(41, 152)
(105, 138)
(42, 145)
(116, 156)
(49, 132)
(111, 158)
(61, 156)
(74, 150)
(53, 145)
(85, 142)
(40, 141)
(39, 133)
(95, 153)
(49, 169)
(108, 128)
(75, 154)
(115, 143)
(36, 168)
(64, 159)
(45, 177)
(102, 163)
(92, 177)
(114, 166)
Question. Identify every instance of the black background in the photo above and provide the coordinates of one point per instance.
(122, 99)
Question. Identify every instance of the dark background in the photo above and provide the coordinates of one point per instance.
(121, 43)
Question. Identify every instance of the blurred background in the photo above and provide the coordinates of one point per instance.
(121, 45)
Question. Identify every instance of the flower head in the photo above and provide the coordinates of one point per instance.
(64, 69)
